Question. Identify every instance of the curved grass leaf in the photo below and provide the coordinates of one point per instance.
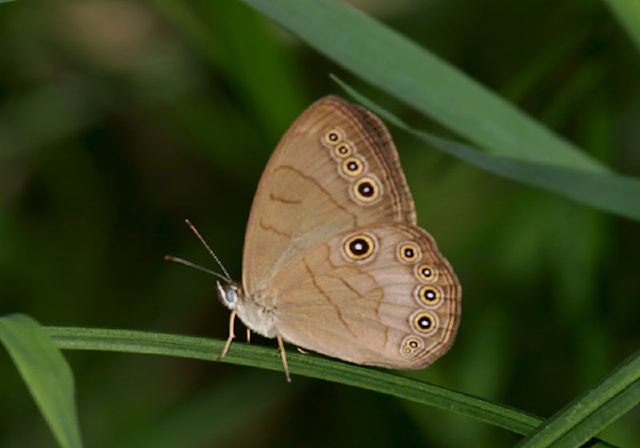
(594, 411)
(307, 365)
(609, 192)
(46, 373)
(417, 77)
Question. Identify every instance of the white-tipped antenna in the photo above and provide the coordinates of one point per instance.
(226, 277)
(193, 228)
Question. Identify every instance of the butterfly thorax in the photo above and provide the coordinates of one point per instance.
(256, 316)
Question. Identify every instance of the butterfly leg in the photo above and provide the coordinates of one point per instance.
(283, 356)
(248, 336)
(227, 345)
(304, 352)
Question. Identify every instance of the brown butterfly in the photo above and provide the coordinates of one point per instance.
(334, 261)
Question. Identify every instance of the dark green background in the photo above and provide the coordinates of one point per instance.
(119, 119)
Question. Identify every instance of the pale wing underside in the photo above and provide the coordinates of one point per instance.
(366, 312)
(303, 198)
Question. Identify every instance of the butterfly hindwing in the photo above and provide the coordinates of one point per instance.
(379, 294)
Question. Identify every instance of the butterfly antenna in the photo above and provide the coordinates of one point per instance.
(195, 266)
(194, 230)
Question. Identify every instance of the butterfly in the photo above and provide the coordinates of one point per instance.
(334, 261)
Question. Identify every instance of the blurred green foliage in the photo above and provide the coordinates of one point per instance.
(120, 119)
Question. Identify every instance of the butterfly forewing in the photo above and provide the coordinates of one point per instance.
(335, 169)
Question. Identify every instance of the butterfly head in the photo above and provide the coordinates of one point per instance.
(229, 294)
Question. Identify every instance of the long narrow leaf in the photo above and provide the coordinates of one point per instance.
(606, 191)
(46, 373)
(412, 74)
(306, 365)
(594, 411)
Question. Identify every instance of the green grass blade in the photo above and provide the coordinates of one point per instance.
(628, 13)
(417, 77)
(594, 411)
(46, 373)
(306, 365)
(606, 191)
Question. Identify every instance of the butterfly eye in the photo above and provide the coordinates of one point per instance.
(428, 295)
(366, 189)
(359, 247)
(426, 272)
(424, 322)
(343, 150)
(408, 252)
(411, 345)
(352, 166)
(332, 136)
